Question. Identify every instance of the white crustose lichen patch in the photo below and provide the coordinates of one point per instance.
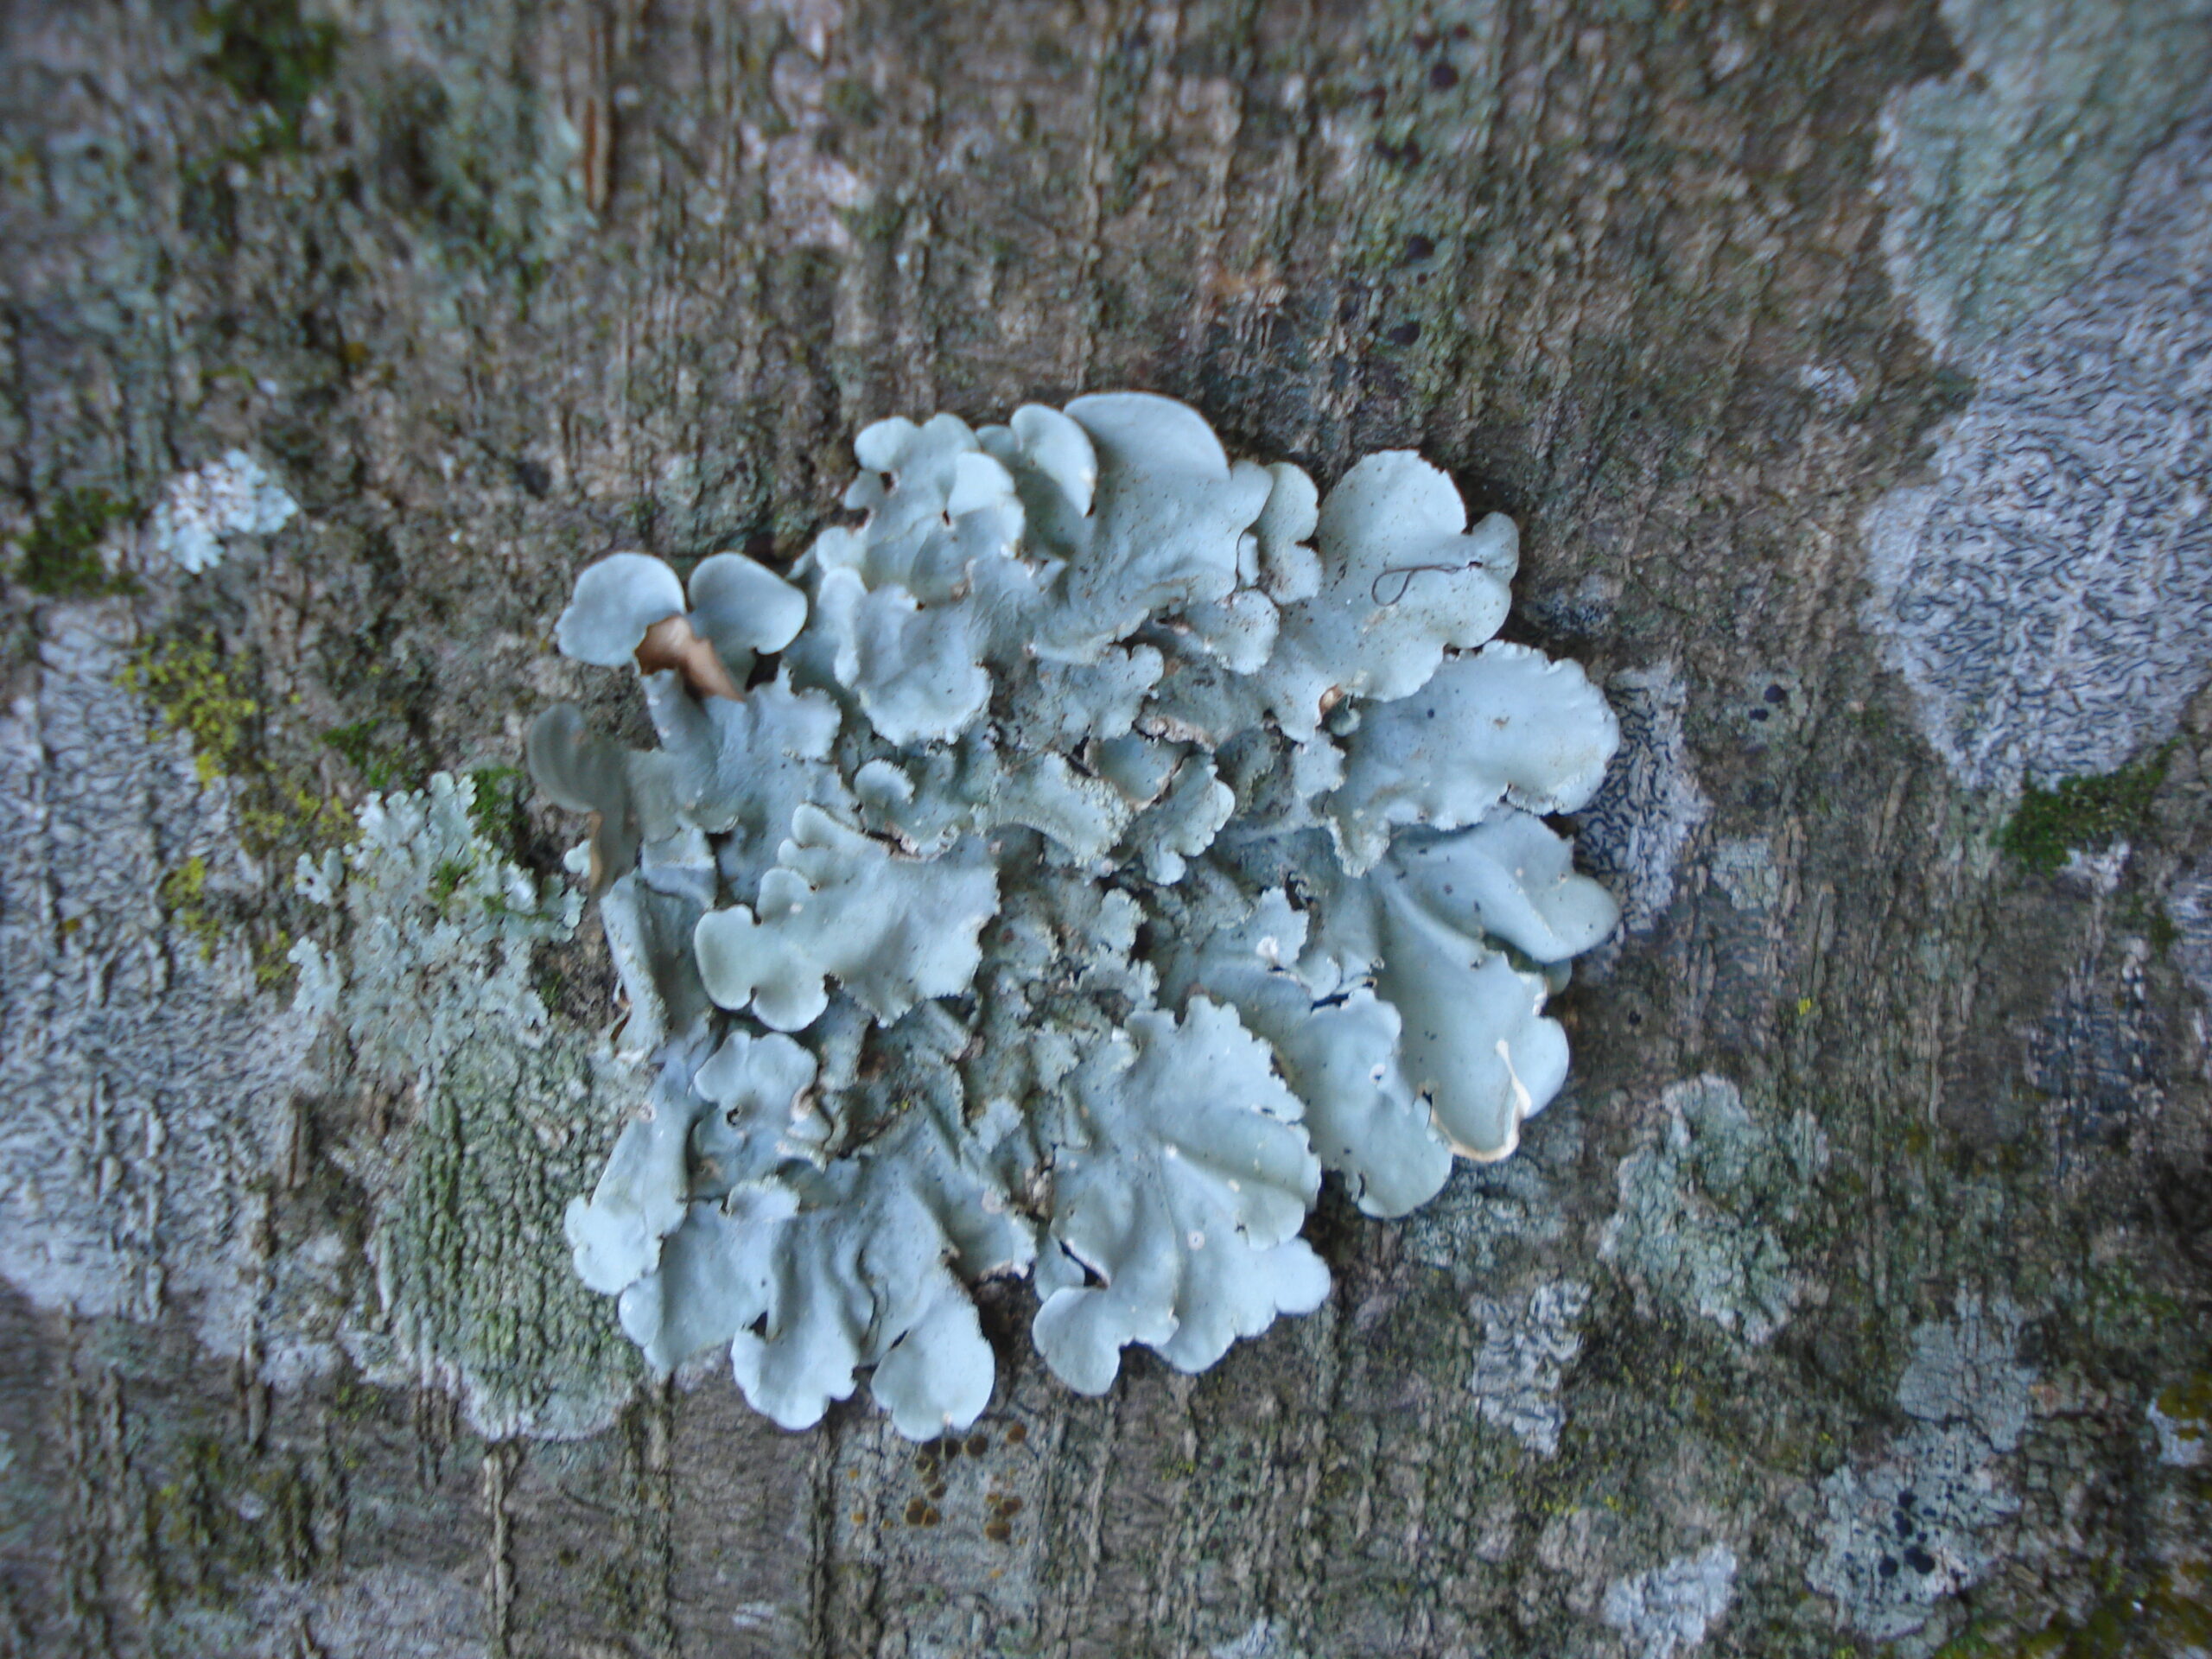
(148, 1083)
(2047, 595)
(1668, 1610)
(1528, 1345)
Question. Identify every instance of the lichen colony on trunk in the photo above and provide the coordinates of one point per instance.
(1058, 872)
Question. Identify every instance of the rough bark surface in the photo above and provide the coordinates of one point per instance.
(1845, 366)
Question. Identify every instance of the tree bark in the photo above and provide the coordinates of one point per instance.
(1843, 368)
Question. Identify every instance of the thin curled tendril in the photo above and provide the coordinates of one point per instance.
(1405, 574)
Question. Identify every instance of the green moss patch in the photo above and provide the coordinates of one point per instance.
(200, 695)
(61, 554)
(272, 59)
(383, 764)
(183, 895)
(2083, 813)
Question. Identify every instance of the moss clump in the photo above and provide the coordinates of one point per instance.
(182, 893)
(382, 765)
(206, 698)
(2169, 1615)
(61, 554)
(2164, 932)
(272, 966)
(445, 880)
(2083, 813)
(273, 59)
(2188, 1406)
(854, 103)
(198, 695)
(496, 811)
(225, 1517)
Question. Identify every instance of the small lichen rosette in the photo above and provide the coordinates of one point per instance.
(1056, 874)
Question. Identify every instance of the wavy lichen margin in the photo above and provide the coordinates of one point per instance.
(1055, 873)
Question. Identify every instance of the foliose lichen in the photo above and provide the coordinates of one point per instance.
(1056, 874)
(203, 511)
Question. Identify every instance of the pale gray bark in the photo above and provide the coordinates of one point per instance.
(493, 288)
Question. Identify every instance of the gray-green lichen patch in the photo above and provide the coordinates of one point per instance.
(1634, 832)
(149, 1084)
(472, 1270)
(1670, 1609)
(1696, 1222)
(430, 980)
(439, 929)
(1491, 1217)
(2047, 595)
(1908, 1531)
(1963, 1372)
(1997, 205)
(1529, 1343)
(483, 158)
(373, 1612)
(1744, 869)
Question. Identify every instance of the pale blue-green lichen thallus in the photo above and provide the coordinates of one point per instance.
(1056, 874)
